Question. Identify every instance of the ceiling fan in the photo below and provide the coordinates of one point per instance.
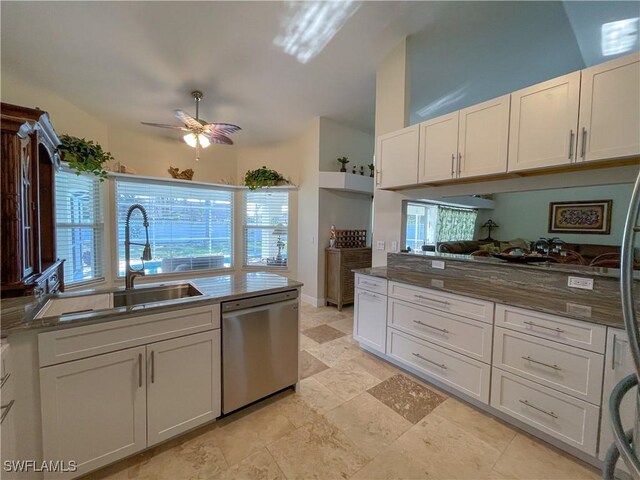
(200, 134)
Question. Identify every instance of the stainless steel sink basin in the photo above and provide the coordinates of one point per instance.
(163, 293)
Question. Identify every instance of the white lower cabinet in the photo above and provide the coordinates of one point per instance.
(100, 409)
(564, 417)
(183, 389)
(370, 319)
(94, 409)
(618, 364)
(458, 371)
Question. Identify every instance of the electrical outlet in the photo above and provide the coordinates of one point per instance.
(581, 282)
(380, 245)
(581, 310)
(439, 264)
(437, 283)
(394, 246)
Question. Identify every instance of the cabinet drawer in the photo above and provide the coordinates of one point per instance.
(463, 335)
(458, 371)
(571, 370)
(373, 284)
(80, 342)
(564, 417)
(446, 302)
(564, 330)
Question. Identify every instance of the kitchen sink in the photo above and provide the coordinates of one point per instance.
(139, 296)
(76, 304)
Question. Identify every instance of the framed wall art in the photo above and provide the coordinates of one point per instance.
(581, 217)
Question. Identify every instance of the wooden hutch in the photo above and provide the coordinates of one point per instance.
(28, 163)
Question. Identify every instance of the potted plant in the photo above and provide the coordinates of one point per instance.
(84, 156)
(263, 177)
(343, 161)
(372, 167)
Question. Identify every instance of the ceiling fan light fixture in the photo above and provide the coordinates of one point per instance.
(191, 140)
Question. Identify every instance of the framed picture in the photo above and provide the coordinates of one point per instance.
(580, 217)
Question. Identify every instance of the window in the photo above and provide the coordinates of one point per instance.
(430, 224)
(190, 227)
(266, 228)
(79, 226)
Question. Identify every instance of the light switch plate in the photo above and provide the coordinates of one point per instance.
(581, 282)
(439, 264)
(380, 245)
(394, 246)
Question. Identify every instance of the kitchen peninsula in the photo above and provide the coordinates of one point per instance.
(514, 340)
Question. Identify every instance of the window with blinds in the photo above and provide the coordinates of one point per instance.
(79, 226)
(190, 227)
(265, 228)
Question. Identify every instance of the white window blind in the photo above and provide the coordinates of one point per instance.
(190, 227)
(266, 228)
(79, 226)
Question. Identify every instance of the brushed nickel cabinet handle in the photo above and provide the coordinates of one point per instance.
(559, 330)
(441, 365)
(453, 169)
(571, 145)
(139, 370)
(459, 163)
(422, 297)
(443, 330)
(5, 410)
(584, 143)
(369, 283)
(551, 414)
(4, 379)
(529, 359)
(153, 367)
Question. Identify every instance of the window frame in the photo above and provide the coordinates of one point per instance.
(172, 184)
(99, 228)
(243, 228)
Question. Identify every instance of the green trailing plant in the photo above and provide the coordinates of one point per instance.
(263, 177)
(343, 161)
(84, 156)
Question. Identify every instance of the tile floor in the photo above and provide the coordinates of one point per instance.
(354, 416)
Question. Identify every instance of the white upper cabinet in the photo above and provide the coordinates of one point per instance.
(610, 110)
(397, 158)
(438, 148)
(483, 138)
(543, 127)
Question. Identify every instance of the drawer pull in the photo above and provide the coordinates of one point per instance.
(441, 365)
(369, 294)
(529, 359)
(551, 414)
(5, 410)
(422, 297)
(4, 379)
(443, 330)
(139, 370)
(369, 283)
(555, 329)
(153, 367)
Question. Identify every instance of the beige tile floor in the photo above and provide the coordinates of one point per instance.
(354, 416)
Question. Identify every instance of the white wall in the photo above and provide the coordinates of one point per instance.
(525, 214)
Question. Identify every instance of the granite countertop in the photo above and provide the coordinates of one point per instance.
(603, 310)
(18, 313)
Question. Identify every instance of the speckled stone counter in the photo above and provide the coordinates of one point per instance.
(17, 314)
(542, 290)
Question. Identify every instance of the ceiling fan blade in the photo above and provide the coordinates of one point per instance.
(190, 122)
(221, 128)
(218, 138)
(162, 125)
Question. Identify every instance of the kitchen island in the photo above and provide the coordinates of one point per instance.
(94, 386)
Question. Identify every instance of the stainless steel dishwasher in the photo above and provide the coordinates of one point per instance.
(259, 347)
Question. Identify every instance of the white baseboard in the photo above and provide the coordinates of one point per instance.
(316, 302)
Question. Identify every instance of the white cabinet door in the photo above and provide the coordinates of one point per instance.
(544, 122)
(439, 148)
(484, 138)
(370, 319)
(94, 409)
(183, 384)
(397, 158)
(610, 110)
(618, 364)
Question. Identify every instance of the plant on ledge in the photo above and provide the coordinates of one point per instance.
(84, 156)
(263, 177)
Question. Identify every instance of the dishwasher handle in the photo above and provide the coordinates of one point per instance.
(259, 301)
